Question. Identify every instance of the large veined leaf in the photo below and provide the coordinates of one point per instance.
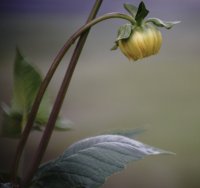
(89, 162)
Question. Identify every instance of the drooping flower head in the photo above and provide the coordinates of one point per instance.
(142, 38)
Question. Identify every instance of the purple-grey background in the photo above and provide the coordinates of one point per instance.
(107, 92)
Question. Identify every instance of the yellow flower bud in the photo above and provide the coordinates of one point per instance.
(144, 41)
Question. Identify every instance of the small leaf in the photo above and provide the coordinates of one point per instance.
(131, 9)
(63, 125)
(160, 23)
(124, 32)
(89, 162)
(26, 83)
(141, 13)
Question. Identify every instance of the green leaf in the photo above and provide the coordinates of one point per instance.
(141, 13)
(160, 23)
(124, 32)
(26, 83)
(131, 9)
(63, 125)
(89, 162)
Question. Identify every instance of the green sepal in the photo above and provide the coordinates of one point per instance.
(115, 46)
(132, 10)
(124, 32)
(142, 12)
(159, 23)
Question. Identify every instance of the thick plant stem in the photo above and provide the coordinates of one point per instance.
(72, 64)
(38, 99)
(47, 79)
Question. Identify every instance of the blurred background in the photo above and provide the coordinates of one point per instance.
(160, 94)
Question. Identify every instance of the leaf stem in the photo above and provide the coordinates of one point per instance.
(59, 99)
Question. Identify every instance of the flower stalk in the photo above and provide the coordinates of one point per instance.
(82, 33)
(47, 80)
(60, 97)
